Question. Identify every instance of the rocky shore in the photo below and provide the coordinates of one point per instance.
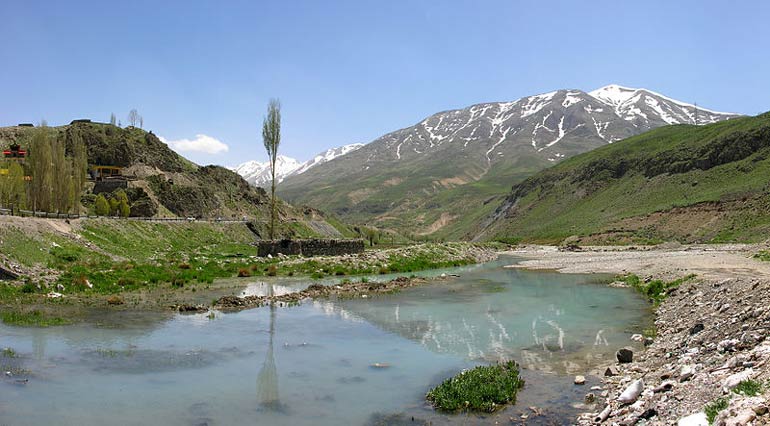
(318, 291)
(709, 357)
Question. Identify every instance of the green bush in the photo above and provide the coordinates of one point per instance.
(484, 388)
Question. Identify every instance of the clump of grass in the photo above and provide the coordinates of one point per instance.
(32, 319)
(763, 255)
(9, 353)
(184, 265)
(484, 388)
(749, 387)
(713, 408)
(655, 290)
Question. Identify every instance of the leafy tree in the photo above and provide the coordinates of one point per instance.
(124, 209)
(41, 168)
(12, 188)
(271, 137)
(114, 205)
(101, 206)
(373, 236)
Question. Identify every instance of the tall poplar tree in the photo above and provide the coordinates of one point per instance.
(271, 137)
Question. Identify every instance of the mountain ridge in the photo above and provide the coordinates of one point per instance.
(436, 177)
(686, 183)
(258, 173)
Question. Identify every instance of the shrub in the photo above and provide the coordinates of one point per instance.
(484, 388)
(244, 272)
(272, 270)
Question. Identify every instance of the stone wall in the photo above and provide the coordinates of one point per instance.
(109, 186)
(310, 247)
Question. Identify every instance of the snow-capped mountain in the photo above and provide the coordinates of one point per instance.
(326, 156)
(403, 174)
(258, 173)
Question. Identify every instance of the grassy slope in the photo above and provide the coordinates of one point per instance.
(409, 198)
(677, 170)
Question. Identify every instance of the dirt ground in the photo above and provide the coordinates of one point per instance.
(705, 261)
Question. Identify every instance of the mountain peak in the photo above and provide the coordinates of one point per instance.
(258, 173)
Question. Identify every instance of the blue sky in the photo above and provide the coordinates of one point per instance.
(350, 71)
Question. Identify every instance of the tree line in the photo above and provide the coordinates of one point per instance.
(52, 176)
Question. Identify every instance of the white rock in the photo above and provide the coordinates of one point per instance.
(54, 295)
(697, 419)
(732, 381)
(637, 337)
(632, 392)
(686, 373)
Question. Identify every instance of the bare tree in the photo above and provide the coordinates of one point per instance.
(133, 117)
(271, 137)
(141, 122)
(113, 119)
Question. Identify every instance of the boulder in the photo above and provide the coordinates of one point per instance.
(632, 392)
(624, 355)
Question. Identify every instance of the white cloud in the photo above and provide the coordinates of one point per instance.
(201, 143)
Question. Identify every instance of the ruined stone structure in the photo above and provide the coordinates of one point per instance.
(309, 247)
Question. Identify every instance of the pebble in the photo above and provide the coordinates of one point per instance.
(580, 380)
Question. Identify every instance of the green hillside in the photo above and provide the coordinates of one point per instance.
(160, 182)
(686, 183)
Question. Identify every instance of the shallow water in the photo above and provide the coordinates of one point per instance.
(313, 364)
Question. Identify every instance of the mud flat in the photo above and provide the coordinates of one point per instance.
(709, 357)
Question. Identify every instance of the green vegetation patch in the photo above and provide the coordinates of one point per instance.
(763, 255)
(749, 387)
(713, 408)
(655, 290)
(32, 319)
(484, 389)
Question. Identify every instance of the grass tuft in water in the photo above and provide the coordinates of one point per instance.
(484, 388)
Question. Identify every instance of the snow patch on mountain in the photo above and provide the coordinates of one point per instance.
(258, 173)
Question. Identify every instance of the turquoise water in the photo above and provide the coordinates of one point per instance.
(314, 364)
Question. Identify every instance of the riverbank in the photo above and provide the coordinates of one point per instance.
(60, 271)
(709, 355)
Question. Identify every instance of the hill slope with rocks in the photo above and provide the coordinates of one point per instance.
(684, 182)
(164, 184)
(443, 175)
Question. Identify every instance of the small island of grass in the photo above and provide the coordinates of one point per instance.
(484, 388)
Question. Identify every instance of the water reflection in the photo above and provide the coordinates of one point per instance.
(267, 379)
(547, 322)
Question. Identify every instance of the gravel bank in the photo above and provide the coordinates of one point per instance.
(711, 335)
